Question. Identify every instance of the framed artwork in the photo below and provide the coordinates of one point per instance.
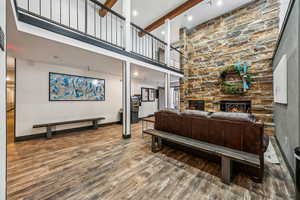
(145, 94)
(280, 81)
(64, 87)
(151, 94)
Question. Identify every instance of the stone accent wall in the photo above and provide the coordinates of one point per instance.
(249, 35)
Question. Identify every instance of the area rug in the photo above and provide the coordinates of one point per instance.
(270, 155)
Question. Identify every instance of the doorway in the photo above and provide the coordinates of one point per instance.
(174, 95)
(10, 99)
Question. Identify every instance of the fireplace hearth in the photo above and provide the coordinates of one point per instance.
(236, 106)
(196, 105)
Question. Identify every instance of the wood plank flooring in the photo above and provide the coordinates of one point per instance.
(10, 126)
(99, 164)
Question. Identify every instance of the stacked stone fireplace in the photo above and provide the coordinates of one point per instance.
(235, 106)
(196, 105)
(246, 35)
(225, 106)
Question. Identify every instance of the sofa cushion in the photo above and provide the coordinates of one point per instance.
(169, 121)
(242, 117)
(169, 110)
(196, 113)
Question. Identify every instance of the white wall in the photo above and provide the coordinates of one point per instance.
(33, 107)
(2, 108)
(284, 4)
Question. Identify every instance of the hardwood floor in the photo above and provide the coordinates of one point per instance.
(99, 164)
(10, 126)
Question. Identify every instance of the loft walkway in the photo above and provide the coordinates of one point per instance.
(81, 20)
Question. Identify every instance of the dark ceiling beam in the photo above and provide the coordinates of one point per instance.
(171, 15)
(109, 4)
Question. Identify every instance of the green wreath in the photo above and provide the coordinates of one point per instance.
(230, 88)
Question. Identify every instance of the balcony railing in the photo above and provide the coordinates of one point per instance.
(175, 57)
(147, 45)
(83, 17)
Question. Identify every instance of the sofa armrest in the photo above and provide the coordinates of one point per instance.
(265, 138)
(266, 141)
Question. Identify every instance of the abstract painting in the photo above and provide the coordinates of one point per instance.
(63, 87)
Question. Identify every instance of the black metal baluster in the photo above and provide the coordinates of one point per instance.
(147, 48)
(86, 10)
(77, 15)
(60, 11)
(141, 41)
(136, 40)
(121, 36)
(51, 9)
(156, 51)
(116, 30)
(143, 48)
(100, 26)
(131, 29)
(95, 20)
(69, 13)
(106, 28)
(28, 5)
(111, 28)
(40, 7)
(139, 44)
(152, 47)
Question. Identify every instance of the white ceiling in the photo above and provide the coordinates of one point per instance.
(151, 10)
(38, 49)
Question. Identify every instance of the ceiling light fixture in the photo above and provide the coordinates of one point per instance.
(190, 18)
(135, 73)
(135, 13)
(220, 2)
(163, 32)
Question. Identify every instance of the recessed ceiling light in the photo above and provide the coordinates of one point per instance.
(220, 2)
(135, 13)
(190, 18)
(163, 32)
(135, 73)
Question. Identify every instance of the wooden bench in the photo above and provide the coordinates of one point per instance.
(227, 154)
(50, 126)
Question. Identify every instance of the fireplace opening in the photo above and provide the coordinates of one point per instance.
(196, 105)
(236, 106)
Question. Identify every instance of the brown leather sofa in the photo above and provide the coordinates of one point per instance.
(238, 131)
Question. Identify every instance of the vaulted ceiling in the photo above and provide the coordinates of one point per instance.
(149, 11)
